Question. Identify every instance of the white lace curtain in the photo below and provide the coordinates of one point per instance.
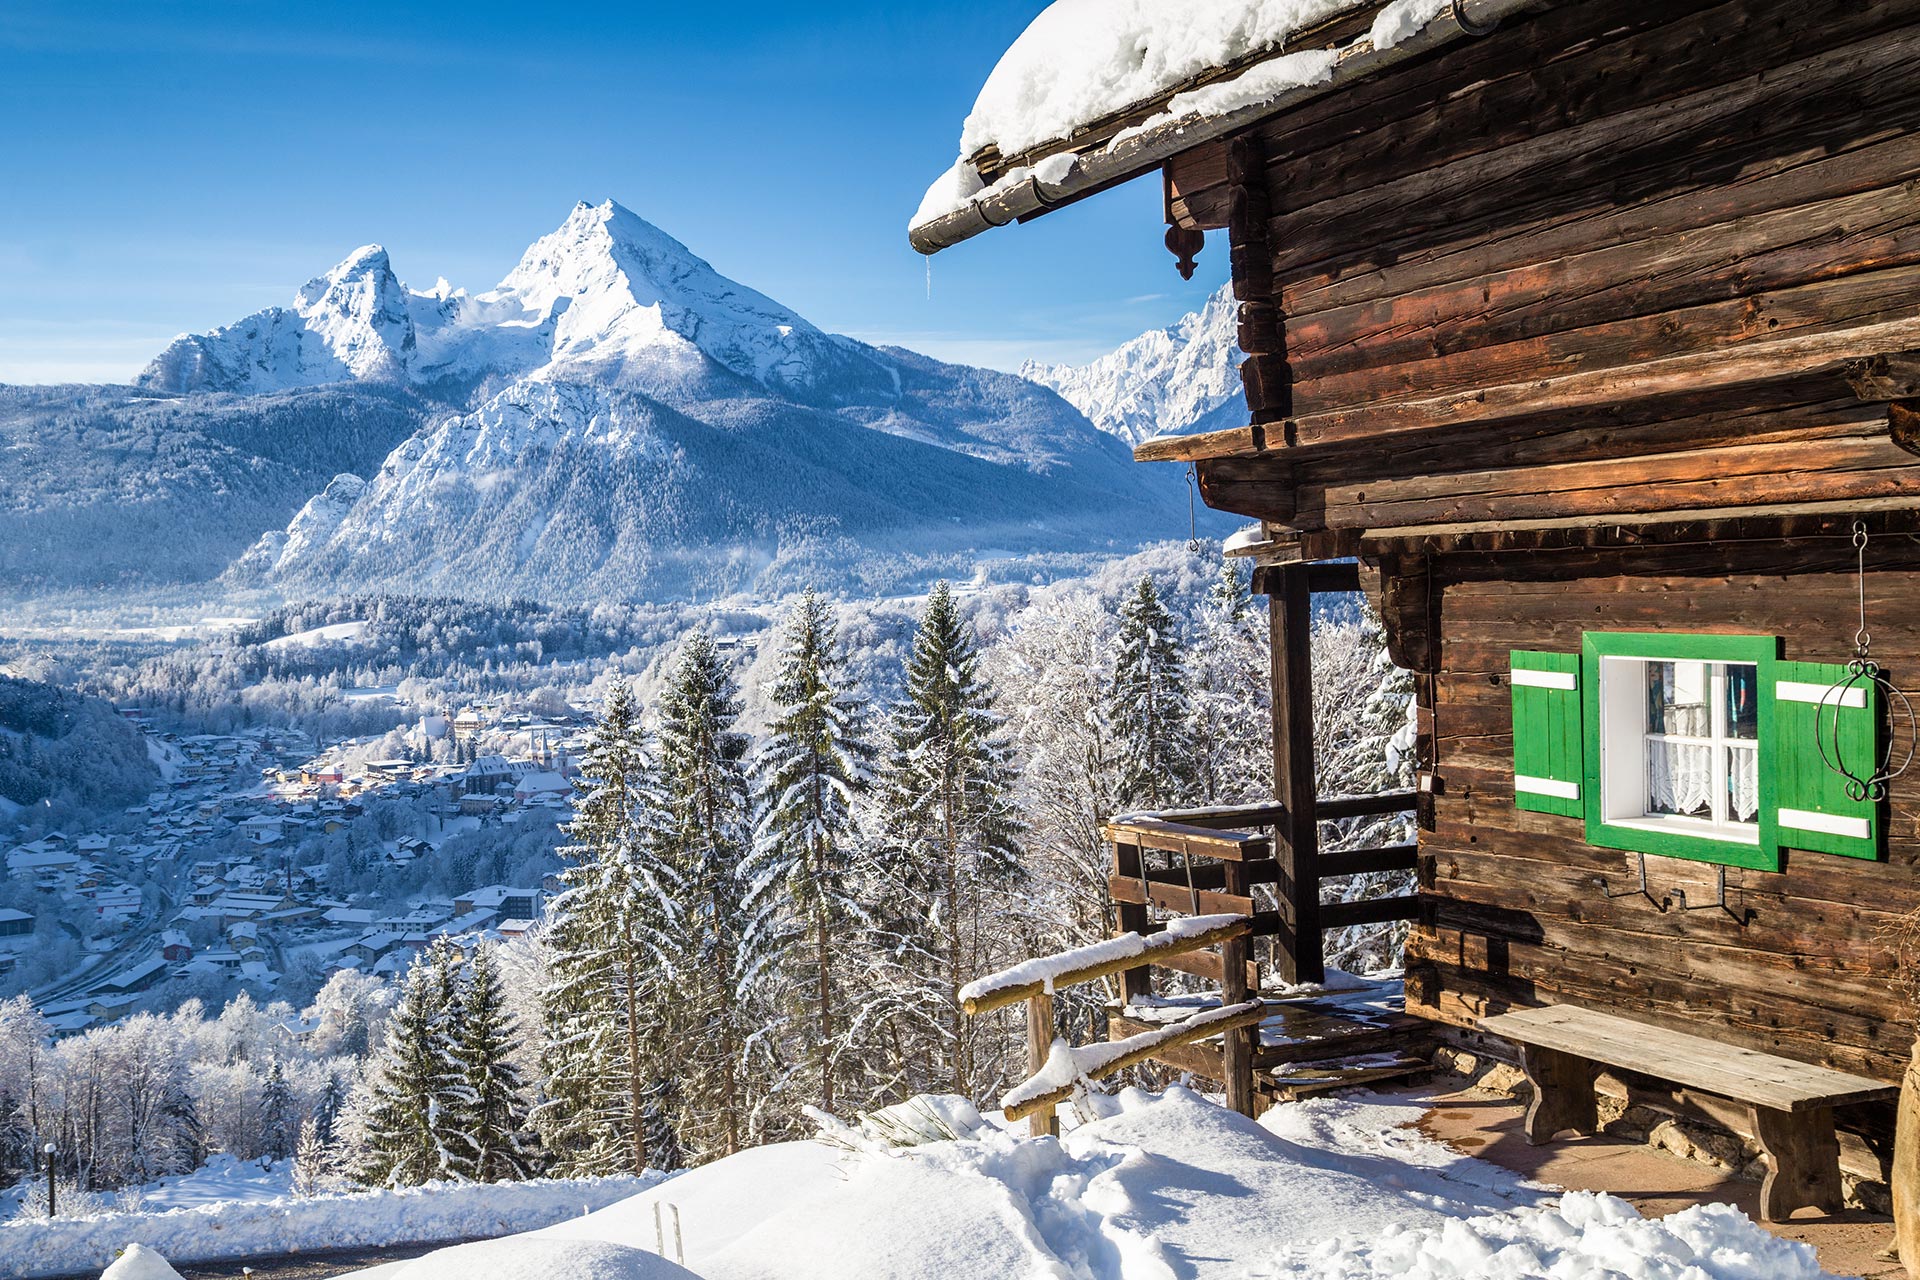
(1680, 779)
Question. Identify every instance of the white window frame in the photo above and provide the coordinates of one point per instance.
(1623, 736)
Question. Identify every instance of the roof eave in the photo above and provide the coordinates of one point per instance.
(1139, 152)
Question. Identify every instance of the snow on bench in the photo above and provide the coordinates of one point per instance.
(1042, 974)
(1066, 1066)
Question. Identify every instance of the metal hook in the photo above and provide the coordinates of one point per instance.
(1719, 902)
(1193, 512)
(1643, 891)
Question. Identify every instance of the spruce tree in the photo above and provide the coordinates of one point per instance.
(278, 1127)
(812, 770)
(610, 943)
(1149, 707)
(488, 1117)
(1229, 682)
(702, 763)
(950, 836)
(404, 1140)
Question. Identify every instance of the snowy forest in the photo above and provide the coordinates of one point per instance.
(763, 914)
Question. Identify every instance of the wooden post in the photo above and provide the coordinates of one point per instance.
(1297, 839)
(1131, 918)
(1236, 1046)
(1042, 1123)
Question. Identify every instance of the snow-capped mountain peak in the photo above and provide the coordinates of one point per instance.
(1160, 383)
(607, 297)
(619, 293)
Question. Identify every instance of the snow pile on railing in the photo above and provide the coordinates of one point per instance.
(252, 1229)
(1067, 1065)
(1046, 970)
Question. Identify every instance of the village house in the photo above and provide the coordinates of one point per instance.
(1581, 338)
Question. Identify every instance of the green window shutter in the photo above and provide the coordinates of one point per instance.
(1549, 750)
(1813, 809)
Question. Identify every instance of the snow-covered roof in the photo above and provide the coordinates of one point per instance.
(1096, 92)
(1082, 61)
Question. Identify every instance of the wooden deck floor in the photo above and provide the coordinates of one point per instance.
(1487, 1125)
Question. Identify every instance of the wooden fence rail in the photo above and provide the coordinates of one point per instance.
(1035, 982)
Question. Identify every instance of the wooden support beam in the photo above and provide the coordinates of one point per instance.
(1360, 862)
(1174, 837)
(1178, 897)
(1043, 1123)
(1338, 915)
(1297, 847)
(1131, 917)
(1333, 808)
(1237, 1043)
(1226, 817)
(1333, 579)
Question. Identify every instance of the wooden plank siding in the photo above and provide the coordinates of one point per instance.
(1613, 258)
(1517, 914)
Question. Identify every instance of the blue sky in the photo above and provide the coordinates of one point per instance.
(169, 167)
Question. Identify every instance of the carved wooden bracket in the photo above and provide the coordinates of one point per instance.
(1184, 243)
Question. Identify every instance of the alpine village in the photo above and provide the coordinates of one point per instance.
(1544, 556)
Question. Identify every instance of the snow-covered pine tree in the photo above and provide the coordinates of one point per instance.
(487, 1115)
(403, 1138)
(315, 1166)
(609, 939)
(279, 1125)
(804, 861)
(949, 851)
(723, 951)
(1052, 676)
(1148, 706)
(1231, 695)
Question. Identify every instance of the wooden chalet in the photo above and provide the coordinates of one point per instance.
(1584, 336)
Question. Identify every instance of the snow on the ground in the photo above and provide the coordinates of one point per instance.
(336, 633)
(531, 1258)
(139, 1263)
(1155, 1187)
(1166, 1186)
(221, 1180)
(1585, 1235)
(240, 1229)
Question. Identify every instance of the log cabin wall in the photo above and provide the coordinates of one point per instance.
(1610, 259)
(1623, 261)
(1517, 912)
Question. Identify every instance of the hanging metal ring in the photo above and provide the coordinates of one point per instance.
(1864, 673)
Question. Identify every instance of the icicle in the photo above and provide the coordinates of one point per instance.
(929, 277)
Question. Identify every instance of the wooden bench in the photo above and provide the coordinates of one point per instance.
(1789, 1104)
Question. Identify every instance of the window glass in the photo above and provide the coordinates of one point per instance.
(1742, 701)
(1702, 741)
(1743, 784)
(1677, 699)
